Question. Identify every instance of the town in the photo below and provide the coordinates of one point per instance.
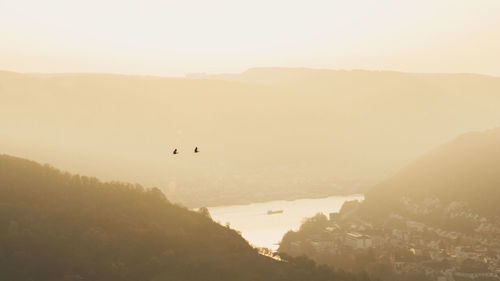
(425, 240)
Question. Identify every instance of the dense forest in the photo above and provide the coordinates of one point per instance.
(59, 226)
(466, 169)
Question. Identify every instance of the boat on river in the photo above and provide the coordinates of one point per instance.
(271, 212)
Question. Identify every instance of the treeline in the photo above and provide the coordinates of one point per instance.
(58, 226)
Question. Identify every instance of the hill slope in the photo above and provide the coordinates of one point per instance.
(57, 226)
(466, 169)
(263, 134)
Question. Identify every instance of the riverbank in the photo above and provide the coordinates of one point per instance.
(255, 197)
(263, 230)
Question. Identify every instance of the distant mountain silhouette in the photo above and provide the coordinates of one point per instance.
(266, 127)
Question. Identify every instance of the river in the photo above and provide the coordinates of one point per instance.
(263, 230)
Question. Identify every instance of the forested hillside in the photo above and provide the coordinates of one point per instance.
(466, 169)
(57, 226)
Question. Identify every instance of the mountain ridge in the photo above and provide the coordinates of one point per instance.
(465, 169)
(313, 135)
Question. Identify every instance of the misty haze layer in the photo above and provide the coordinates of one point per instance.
(263, 134)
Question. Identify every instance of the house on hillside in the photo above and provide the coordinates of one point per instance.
(358, 241)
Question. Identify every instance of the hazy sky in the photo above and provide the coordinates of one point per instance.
(178, 37)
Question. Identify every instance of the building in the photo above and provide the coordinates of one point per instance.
(358, 241)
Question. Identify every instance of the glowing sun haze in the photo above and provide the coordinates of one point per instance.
(179, 37)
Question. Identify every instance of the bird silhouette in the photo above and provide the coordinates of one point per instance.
(196, 150)
(175, 151)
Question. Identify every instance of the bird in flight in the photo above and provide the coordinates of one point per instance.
(175, 151)
(196, 150)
